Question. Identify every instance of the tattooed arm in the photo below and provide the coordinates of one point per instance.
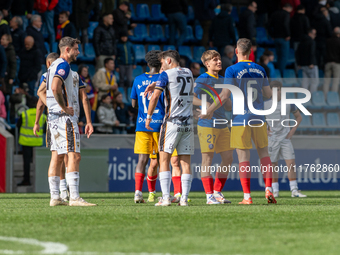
(58, 95)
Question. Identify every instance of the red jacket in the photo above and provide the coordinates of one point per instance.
(44, 5)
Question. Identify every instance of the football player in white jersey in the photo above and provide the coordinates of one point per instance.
(62, 103)
(177, 130)
(279, 141)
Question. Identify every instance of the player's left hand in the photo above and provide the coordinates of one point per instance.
(88, 129)
(147, 124)
(36, 129)
(149, 89)
(290, 135)
(207, 116)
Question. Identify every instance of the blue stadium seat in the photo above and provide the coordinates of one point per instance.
(289, 78)
(333, 121)
(290, 95)
(89, 54)
(278, 76)
(74, 67)
(140, 53)
(132, 10)
(261, 35)
(157, 15)
(318, 100)
(129, 93)
(47, 47)
(185, 51)
(318, 119)
(191, 14)
(121, 90)
(259, 53)
(117, 76)
(308, 104)
(236, 34)
(81, 53)
(44, 31)
(198, 51)
(142, 13)
(333, 100)
(234, 14)
(92, 70)
(90, 29)
(153, 47)
(140, 33)
(202, 70)
(43, 68)
(55, 47)
(156, 34)
(299, 76)
(275, 55)
(137, 71)
(198, 32)
(169, 47)
(167, 32)
(93, 115)
(190, 35)
(305, 123)
(291, 57)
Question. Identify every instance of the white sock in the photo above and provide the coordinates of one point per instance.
(186, 185)
(293, 185)
(246, 196)
(73, 183)
(54, 186)
(275, 186)
(165, 180)
(63, 185)
(269, 188)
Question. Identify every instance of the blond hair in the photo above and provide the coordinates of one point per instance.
(209, 55)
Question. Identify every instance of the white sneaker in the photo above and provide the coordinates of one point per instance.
(219, 197)
(79, 202)
(183, 202)
(276, 194)
(138, 197)
(212, 200)
(56, 202)
(163, 202)
(297, 193)
(65, 195)
(176, 198)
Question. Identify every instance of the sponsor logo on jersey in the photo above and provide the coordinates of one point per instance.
(61, 72)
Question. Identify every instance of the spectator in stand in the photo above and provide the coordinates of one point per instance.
(227, 58)
(332, 60)
(324, 31)
(221, 38)
(247, 23)
(18, 35)
(30, 64)
(122, 17)
(299, 25)
(91, 92)
(81, 12)
(22, 8)
(6, 42)
(270, 64)
(5, 6)
(334, 15)
(104, 40)
(3, 112)
(122, 113)
(105, 80)
(34, 30)
(195, 69)
(262, 12)
(4, 28)
(205, 13)
(46, 9)
(305, 59)
(126, 61)
(279, 30)
(62, 6)
(176, 11)
(293, 3)
(264, 60)
(65, 27)
(108, 6)
(3, 67)
(310, 6)
(106, 115)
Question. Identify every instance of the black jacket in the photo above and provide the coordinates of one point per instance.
(18, 39)
(104, 40)
(38, 41)
(333, 50)
(204, 9)
(305, 53)
(120, 23)
(335, 19)
(69, 30)
(81, 11)
(11, 62)
(323, 28)
(4, 29)
(279, 24)
(19, 7)
(30, 64)
(174, 6)
(299, 25)
(222, 37)
(247, 25)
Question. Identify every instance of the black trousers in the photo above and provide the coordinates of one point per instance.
(27, 153)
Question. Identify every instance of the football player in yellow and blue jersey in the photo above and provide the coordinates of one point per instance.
(248, 126)
(213, 138)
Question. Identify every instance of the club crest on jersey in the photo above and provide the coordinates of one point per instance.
(61, 72)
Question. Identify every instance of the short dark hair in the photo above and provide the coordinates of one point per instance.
(107, 60)
(104, 97)
(250, 2)
(276, 84)
(81, 67)
(152, 58)
(287, 5)
(268, 53)
(300, 7)
(64, 13)
(68, 42)
(226, 7)
(310, 30)
(263, 58)
(52, 56)
(170, 54)
(32, 102)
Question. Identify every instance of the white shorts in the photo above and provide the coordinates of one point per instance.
(64, 135)
(173, 136)
(280, 149)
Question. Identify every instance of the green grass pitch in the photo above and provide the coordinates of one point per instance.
(118, 226)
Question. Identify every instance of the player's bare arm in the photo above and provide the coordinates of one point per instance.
(87, 110)
(134, 103)
(42, 92)
(149, 89)
(40, 109)
(58, 95)
(298, 119)
(152, 106)
(267, 92)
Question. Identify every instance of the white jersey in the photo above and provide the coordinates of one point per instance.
(177, 84)
(77, 85)
(61, 69)
(275, 119)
